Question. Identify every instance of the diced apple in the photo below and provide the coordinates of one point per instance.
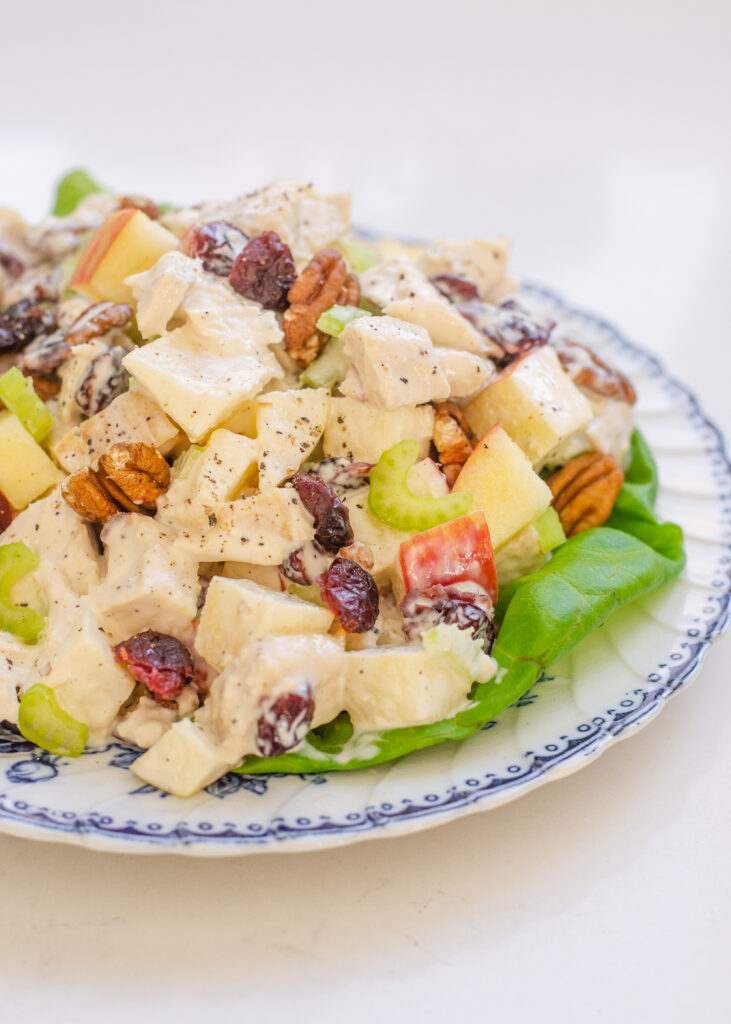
(362, 433)
(536, 403)
(289, 425)
(392, 687)
(238, 612)
(127, 242)
(265, 575)
(184, 760)
(26, 471)
(504, 486)
(453, 552)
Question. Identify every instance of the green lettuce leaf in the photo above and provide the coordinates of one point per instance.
(542, 617)
(71, 189)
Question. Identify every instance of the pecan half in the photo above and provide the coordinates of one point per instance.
(592, 373)
(97, 320)
(318, 287)
(45, 386)
(350, 292)
(584, 491)
(452, 439)
(86, 495)
(134, 472)
(148, 206)
(131, 476)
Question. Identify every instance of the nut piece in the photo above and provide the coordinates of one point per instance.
(84, 492)
(318, 287)
(134, 474)
(584, 491)
(131, 476)
(97, 320)
(148, 206)
(359, 553)
(350, 292)
(590, 372)
(452, 439)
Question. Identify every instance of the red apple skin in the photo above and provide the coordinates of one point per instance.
(454, 552)
(99, 244)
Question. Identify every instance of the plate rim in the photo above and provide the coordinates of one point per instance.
(27, 821)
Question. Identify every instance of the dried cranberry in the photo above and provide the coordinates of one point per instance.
(456, 289)
(514, 331)
(304, 565)
(424, 609)
(351, 595)
(342, 476)
(10, 263)
(216, 244)
(332, 523)
(22, 322)
(285, 722)
(264, 271)
(105, 379)
(6, 513)
(158, 661)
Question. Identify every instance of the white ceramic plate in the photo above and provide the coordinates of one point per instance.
(611, 685)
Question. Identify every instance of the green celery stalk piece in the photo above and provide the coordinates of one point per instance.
(43, 721)
(15, 561)
(334, 320)
(312, 593)
(71, 189)
(328, 369)
(19, 396)
(358, 256)
(549, 530)
(390, 500)
(543, 617)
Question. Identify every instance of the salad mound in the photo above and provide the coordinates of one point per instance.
(275, 497)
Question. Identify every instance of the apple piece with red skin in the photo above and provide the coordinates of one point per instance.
(454, 552)
(125, 243)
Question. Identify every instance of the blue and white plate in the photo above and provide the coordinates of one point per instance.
(610, 686)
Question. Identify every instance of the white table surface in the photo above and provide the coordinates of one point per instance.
(597, 136)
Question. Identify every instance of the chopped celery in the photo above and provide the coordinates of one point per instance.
(19, 396)
(549, 530)
(71, 189)
(15, 561)
(359, 257)
(44, 722)
(334, 320)
(328, 369)
(390, 500)
(311, 594)
(370, 307)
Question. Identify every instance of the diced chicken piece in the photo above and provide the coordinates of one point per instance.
(150, 583)
(302, 218)
(477, 259)
(133, 416)
(393, 364)
(146, 723)
(536, 403)
(466, 372)
(191, 755)
(262, 530)
(52, 530)
(289, 425)
(361, 433)
(403, 291)
(203, 371)
(239, 612)
(160, 291)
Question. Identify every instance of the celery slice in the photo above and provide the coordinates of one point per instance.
(71, 189)
(334, 320)
(549, 530)
(358, 256)
(390, 500)
(19, 395)
(15, 561)
(44, 722)
(328, 369)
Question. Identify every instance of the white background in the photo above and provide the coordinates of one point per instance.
(597, 135)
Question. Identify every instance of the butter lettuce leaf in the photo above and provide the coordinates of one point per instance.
(542, 617)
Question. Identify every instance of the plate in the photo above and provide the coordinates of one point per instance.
(611, 685)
